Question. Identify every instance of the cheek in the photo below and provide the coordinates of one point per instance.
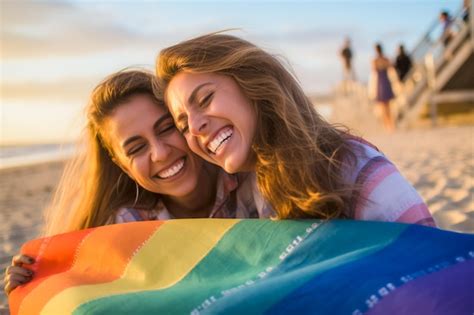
(249, 126)
(178, 141)
(195, 147)
(252, 131)
(138, 168)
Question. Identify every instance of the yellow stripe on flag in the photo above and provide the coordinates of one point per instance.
(159, 264)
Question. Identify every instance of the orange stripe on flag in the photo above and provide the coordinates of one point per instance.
(94, 262)
(47, 247)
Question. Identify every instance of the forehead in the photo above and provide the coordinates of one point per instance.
(182, 86)
(132, 116)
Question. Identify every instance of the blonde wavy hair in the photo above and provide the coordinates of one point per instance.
(92, 186)
(300, 156)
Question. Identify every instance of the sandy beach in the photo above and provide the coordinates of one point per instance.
(24, 192)
(439, 162)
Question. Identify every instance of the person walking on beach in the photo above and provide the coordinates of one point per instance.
(466, 7)
(381, 87)
(446, 23)
(402, 63)
(348, 71)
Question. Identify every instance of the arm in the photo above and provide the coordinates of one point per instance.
(373, 65)
(372, 85)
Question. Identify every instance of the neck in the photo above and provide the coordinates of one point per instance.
(251, 164)
(199, 203)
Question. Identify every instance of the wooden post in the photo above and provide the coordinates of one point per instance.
(431, 82)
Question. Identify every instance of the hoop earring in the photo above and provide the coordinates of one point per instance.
(117, 185)
(137, 193)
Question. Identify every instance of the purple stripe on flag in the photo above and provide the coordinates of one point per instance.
(448, 291)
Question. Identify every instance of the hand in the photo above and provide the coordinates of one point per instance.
(16, 274)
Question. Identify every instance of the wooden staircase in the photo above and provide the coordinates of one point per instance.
(439, 73)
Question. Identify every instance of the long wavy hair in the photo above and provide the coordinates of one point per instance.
(299, 156)
(92, 186)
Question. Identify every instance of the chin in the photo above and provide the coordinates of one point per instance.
(231, 167)
(182, 193)
(186, 188)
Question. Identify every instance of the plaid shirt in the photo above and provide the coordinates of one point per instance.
(237, 196)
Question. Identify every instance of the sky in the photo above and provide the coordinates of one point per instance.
(53, 53)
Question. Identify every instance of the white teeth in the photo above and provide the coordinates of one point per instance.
(219, 139)
(173, 170)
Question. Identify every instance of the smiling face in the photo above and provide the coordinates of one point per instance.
(216, 118)
(149, 148)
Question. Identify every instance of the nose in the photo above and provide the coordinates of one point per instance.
(159, 150)
(197, 124)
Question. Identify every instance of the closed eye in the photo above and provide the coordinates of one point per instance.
(206, 100)
(170, 126)
(135, 149)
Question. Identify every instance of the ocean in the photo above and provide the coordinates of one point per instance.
(22, 155)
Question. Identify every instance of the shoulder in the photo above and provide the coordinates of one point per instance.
(371, 165)
(383, 192)
(367, 159)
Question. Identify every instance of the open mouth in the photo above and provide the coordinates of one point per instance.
(220, 139)
(173, 170)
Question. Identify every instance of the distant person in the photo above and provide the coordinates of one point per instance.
(346, 56)
(382, 87)
(446, 22)
(402, 64)
(466, 8)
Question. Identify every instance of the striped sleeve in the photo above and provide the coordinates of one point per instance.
(385, 195)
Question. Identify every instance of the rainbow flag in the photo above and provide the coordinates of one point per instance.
(225, 266)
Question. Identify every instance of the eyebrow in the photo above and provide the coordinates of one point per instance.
(155, 125)
(192, 99)
(193, 96)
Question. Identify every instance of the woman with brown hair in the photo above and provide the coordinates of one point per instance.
(134, 166)
(239, 108)
(381, 90)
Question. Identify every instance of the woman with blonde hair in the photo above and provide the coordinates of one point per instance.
(136, 166)
(241, 109)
